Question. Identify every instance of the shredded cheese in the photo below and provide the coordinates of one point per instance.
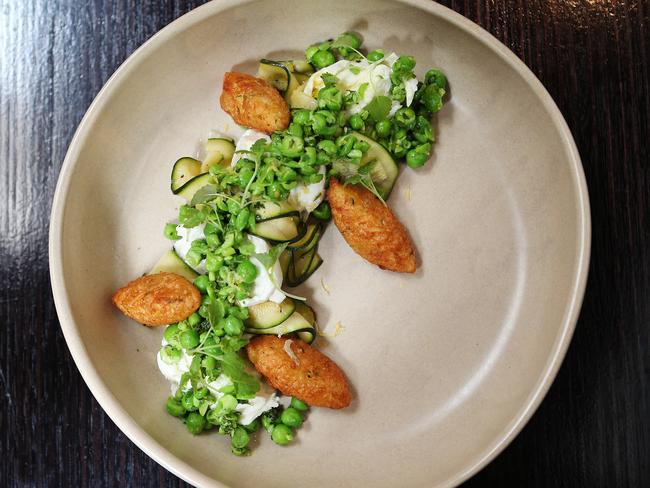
(324, 286)
(407, 193)
(290, 353)
(338, 330)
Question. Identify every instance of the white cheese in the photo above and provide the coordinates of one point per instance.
(375, 75)
(307, 197)
(245, 142)
(182, 246)
(266, 398)
(411, 86)
(265, 287)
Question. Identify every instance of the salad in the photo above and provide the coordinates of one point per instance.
(325, 137)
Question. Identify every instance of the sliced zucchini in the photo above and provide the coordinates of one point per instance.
(184, 170)
(269, 314)
(306, 311)
(170, 262)
(299, 99)
(188, 190)
(282, 229)
(385, 170)
(309, 240)
(269, 210)
(302, 265)
(302, 66)
(295, 323)
(284, 259)
(307, 336)
(276, 73)
(219, 150)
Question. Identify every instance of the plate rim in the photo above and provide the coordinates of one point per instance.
(106, 399)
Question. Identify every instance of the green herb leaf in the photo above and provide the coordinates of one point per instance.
(204, 194)
(235, 368)
(379, 108)
(215, 312)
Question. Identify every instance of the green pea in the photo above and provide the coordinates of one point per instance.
(383, 128)
(195, 366)
(291, 417)
(194, 319)
(189, 339)
(170, 354)
(240, 438)
(171, 334)
(299, 404)
(330, 98)
(295, 129)
(242, 219)
(195, 423)
(329, 147)
(287, 174)
(404, 64)
(201, 393)
(436, 77)
(310, 51)
(174, 407)
(356, 122)
(291, 146)
(170, 232)
(247, 271)
(405, 117)
(281, 434)
(322, 59)
(209, 363)
(202, 282)
(233, 326)
(187, 400)
(375, 55)
(418, 156)
(227, 403)
(431, 98)
(323, 211)
(301, 117)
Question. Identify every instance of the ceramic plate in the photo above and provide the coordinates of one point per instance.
(447, 364)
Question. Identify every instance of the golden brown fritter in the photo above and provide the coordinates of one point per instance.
(253, 103)
(312, 377)
(158, 299)
(370, 228)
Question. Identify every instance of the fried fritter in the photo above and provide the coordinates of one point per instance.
(370, 228)
(312, 377)
(253, 103)
(158, 299)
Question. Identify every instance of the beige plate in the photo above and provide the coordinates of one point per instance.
(447, 365)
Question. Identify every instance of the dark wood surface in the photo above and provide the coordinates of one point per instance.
(593, 428)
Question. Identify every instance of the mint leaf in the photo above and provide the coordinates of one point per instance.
(234, 367)
(205, 194)
(379, 108)
(216, 311)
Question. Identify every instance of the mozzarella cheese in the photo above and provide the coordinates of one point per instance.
(182, 246)
(265, 287)
(245, 142)
(265, 400)
(353, 74)
(307, 197)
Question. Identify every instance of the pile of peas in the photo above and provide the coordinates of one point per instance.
(280, 423)
(408, 134)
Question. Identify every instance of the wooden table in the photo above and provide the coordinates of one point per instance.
(593, 428)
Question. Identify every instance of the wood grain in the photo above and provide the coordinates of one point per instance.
(593, 428)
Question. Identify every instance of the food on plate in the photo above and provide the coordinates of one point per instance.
(256, 204)
(299, 370)
(370, 227)
(158, 299)
(253, 103)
